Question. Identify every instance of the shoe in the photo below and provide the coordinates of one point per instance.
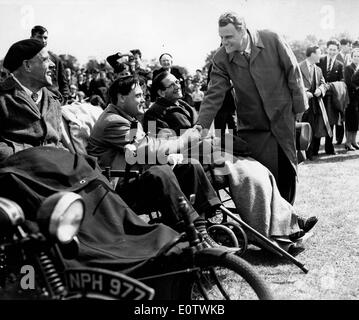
(296, 236)
(349, 148)
(355, 146)
(307, 224)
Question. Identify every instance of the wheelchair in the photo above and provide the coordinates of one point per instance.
(199, 273)
(226, 228)
(176, 266)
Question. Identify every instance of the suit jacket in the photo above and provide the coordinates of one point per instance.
(335, 74)
(314, 115)
(23, 124)
(114, 130)
(269, 91)
(345, 60)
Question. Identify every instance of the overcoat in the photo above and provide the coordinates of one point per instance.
(269, 92)
(23, 124)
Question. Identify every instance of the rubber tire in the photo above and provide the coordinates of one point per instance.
(211, 257)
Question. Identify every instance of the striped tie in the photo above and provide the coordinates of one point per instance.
(34, 97)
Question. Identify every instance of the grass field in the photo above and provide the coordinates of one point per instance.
(329, 189)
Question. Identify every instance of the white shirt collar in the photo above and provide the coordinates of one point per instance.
(328, 59)
(309, 64)
(28, 91)
(248, 48)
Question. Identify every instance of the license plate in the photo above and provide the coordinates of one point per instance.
(104, 284)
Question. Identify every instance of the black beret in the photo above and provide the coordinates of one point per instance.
(20, 51)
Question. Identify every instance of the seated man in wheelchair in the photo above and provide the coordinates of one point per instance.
(118, 141)
(252, 186)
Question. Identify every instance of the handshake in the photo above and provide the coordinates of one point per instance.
(194, 134)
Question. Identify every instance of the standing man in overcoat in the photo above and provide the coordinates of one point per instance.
(269, 93)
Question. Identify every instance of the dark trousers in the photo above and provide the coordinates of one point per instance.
(328, 147)
(286, 177)
(159, 187)
(339, 133)
(315, 145)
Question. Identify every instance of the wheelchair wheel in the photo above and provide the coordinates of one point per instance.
(223, 235)
(225, 277)
(240, 235)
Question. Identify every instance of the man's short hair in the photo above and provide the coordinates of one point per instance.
(136, 51)
(333, 41)
(123, 86)
(356, 44)
(354, 50)
(164, 54)
(38, 30)
(232, 17)
(157, 82)
(344, 42)
(311, 49)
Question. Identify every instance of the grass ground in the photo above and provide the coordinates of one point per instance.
(329, 189)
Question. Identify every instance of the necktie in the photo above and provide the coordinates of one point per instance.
(246, 55)
(329, 65)
(34, 97)
(134, 128)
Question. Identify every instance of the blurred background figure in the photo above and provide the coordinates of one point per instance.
(166, 62)
(352, 110)
(60, 85)
(197, 95)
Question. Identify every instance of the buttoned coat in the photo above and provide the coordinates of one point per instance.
(23, 124)
(269, 92)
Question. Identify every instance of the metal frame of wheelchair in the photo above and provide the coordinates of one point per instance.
(234, 231)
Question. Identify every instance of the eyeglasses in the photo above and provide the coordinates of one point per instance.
(173, 84)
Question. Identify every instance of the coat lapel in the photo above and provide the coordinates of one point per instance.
(19, 93)
(257, 44)
(305, 71)
(256, 48)
(238, 59)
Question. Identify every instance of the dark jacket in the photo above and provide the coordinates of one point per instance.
(351, 77)
(335, 74)
(167, 115)
(22, 123)
(59, 82)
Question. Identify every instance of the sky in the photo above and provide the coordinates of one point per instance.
(185, 28)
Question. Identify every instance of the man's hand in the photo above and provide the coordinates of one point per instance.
(192, 135)
(174, 159)
(309, 95)
(318, 93)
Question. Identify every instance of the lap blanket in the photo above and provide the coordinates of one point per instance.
(111, 236)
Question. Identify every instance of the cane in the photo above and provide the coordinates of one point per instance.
(275, 247)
